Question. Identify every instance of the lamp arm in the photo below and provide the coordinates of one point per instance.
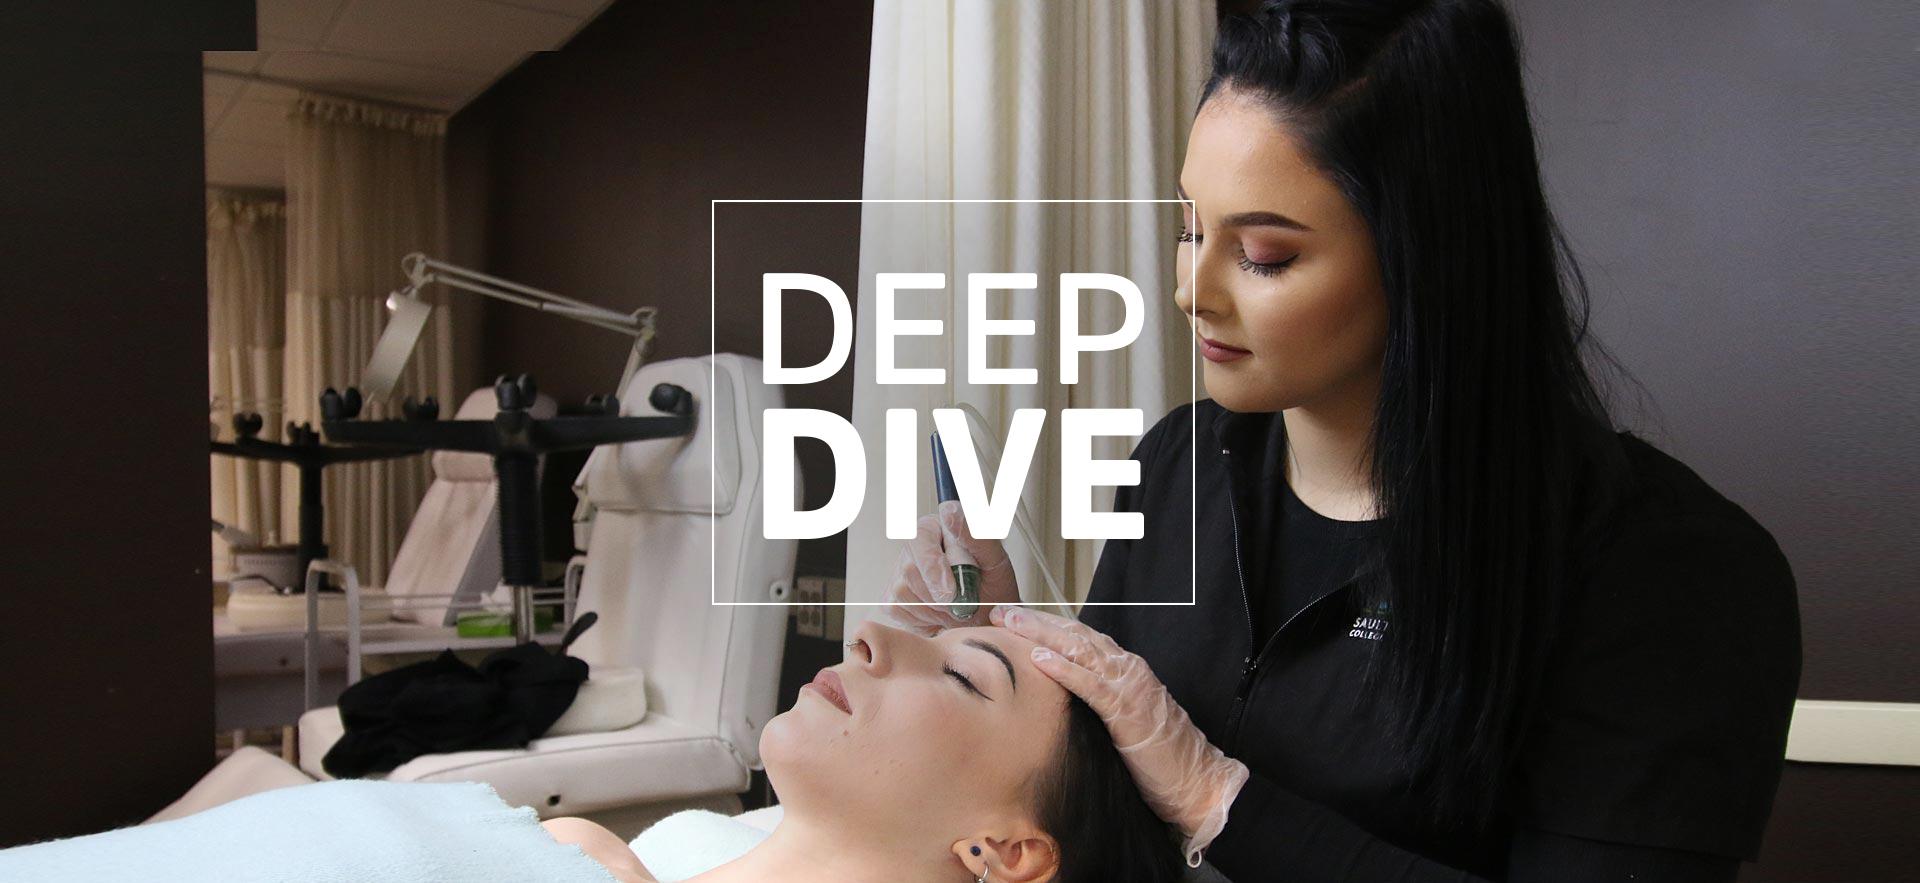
(396, 343)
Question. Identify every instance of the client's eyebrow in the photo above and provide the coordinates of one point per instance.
(978, 644)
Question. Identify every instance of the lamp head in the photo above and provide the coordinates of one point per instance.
(400, 296)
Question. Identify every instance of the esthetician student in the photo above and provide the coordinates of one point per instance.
(1447, 623)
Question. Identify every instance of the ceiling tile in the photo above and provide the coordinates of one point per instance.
(246, 62)
(215, 86)
(258, 91)
(490, 64)
(432, 53)
(300, 21)
(237, 62)
(216, 108)
(255, 122)
(447, 25)
(238, 164)
(218, 93)
(372, 78)
(270, 43)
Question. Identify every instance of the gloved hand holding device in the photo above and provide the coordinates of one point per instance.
(923, 584)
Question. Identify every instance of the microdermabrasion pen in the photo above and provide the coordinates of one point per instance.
(966, 574)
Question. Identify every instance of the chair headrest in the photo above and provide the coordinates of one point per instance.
(481, 404)
(698, 473)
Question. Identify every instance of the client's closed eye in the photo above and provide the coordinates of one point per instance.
(991, 650)
(965, 681)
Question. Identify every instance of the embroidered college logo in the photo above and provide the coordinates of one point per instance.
(1371, 624)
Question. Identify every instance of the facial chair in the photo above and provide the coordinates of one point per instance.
(680, 685)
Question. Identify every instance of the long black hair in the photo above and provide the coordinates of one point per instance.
(1087, 800)
(1487, 418)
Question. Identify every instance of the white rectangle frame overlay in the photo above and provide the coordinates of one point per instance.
(713, 349)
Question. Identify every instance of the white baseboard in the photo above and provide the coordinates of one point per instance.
(1827, 731)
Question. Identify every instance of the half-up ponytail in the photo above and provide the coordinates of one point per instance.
(1487, 417)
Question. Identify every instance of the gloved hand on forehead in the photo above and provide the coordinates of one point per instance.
(924, 574)
(1186, 780)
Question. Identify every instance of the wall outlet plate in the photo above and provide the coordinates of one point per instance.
(809, 616)
(818, 608)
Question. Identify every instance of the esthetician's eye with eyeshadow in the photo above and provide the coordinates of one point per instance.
(1246, 261)
(1260, 268)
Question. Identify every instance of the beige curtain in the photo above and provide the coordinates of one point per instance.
(1076, 99)
(246, 282)
(365, 186)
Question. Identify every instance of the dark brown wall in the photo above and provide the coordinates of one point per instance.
(1841, 823)
(589, 172)
(104, 635)
(1724, 173)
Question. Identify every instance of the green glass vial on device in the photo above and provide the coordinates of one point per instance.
(966, 600)
(966, 574)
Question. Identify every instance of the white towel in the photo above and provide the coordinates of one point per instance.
(693, 842)
(328, 832)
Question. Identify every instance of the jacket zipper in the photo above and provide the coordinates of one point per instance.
(1249, 666)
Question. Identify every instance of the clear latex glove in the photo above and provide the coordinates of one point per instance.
(922, 583)
(1184, 778)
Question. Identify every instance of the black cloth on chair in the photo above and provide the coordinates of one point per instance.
(444, 705)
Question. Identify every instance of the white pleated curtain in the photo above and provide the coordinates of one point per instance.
(365, 186)
(246, 281)
(974, 99)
